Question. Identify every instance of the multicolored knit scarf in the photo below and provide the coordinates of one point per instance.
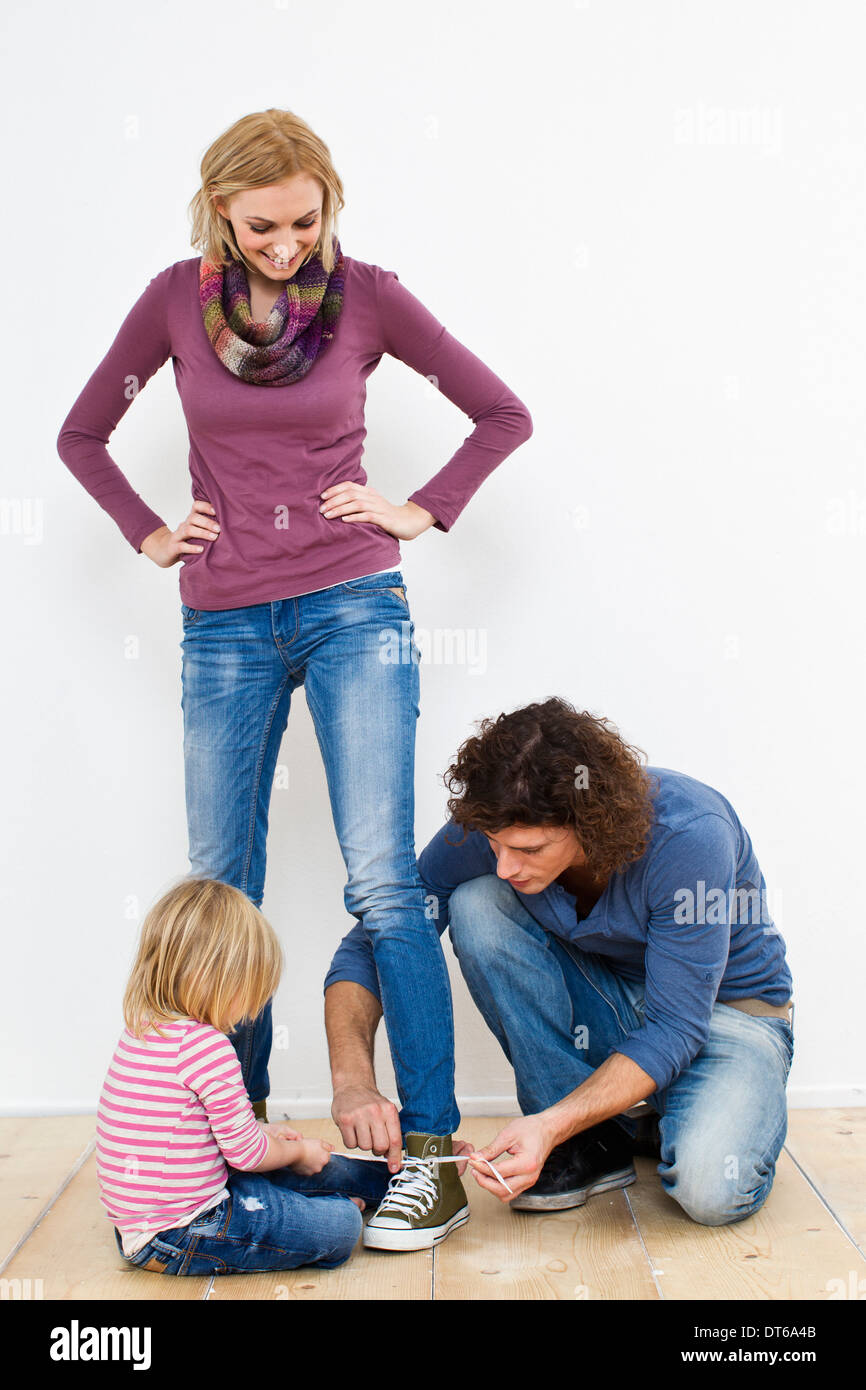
(299, 327)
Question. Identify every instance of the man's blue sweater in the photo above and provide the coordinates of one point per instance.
(688, 919)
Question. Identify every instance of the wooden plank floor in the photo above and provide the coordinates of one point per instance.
(808, 1240)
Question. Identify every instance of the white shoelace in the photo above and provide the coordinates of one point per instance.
(412, 1191)
(444, 1158)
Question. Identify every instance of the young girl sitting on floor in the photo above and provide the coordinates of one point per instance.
(192, 1181)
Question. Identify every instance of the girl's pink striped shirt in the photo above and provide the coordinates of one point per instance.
(172, 1114)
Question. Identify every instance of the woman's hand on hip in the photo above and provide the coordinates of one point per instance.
(165, 547)
(360, 502)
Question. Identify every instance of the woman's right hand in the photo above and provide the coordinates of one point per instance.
(165, 547)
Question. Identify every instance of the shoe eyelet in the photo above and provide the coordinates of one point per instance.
(433, 1149)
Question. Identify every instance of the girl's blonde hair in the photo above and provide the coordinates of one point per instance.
(260, 149)
(205, 952)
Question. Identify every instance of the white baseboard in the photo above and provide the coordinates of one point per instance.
(799, 1098)
(846, 1096)
(311, 1108)
(825, 1097)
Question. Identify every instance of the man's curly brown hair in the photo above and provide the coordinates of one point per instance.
(547, 764)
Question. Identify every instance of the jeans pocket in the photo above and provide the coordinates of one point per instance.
(783, 1030)
(377, 584)
(189, 615)
(211, 1222)
(779, 1031)
(158, 1256)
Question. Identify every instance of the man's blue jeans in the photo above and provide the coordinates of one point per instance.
(557, 1011)
(274, 1220)
(352, 647)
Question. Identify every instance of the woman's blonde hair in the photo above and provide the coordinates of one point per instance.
(258, 150)
(205, 952)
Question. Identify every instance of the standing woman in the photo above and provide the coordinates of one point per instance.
(290, 568)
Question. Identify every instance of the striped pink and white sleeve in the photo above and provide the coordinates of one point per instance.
(208, 1064)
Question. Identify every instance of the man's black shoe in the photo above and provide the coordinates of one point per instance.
(596, 1160)
(647, 1140)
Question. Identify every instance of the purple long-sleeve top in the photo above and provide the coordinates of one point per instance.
(262, 455)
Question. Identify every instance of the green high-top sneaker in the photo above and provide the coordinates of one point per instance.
(424, 1200)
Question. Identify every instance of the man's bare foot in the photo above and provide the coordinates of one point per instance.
(359, 1203)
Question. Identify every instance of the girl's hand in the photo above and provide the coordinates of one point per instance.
(280, 1130)
(461, 1146)
(311, 1156)
(360, 502)
(165, 547)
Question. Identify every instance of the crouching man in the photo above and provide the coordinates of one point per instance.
(611, 923)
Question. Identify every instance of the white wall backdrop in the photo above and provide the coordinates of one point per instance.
(648, 218)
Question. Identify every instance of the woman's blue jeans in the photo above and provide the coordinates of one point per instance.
(274, 1220)
(558, 1011)
(352, 647)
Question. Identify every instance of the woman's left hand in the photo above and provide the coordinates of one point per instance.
(360, 502)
